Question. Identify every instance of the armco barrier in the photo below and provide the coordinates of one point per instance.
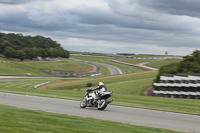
(38, 85)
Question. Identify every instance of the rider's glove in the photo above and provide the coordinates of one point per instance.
(89, 90)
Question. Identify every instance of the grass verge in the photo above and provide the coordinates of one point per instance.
(17, 120)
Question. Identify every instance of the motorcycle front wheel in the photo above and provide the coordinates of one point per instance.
(102, 104)
(83, 103)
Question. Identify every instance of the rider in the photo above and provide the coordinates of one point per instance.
(101, 87)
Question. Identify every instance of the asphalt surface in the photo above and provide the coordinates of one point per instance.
(113, 70)
(152, 118)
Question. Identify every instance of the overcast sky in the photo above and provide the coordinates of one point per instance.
(108, 26)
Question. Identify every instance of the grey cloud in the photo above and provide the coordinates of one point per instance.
(176, 7)
(130, 21)
(137, 36)
(16, 2)
(110, 18)
(91, 16)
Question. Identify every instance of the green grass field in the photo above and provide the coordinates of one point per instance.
(15, 68)
(157, 63)
(65, 65)
(17, 120)
(104, 59)
(128, 91)
(130, 95)
(151, 55)
(131, 83)
(34, 67)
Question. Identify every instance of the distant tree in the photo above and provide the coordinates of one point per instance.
(190, 64)
(53, 52)
(28, 53)
(63, 53)
(34, 52)
(66, 54)
(30, 47)
(42, 53)
(9, 52)
(168, 69)
(196, 55)
(20, 54)
(4, 44)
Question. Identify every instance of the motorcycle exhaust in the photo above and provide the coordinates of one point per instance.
(110, 101)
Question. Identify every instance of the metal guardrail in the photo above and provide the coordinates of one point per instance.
(38, 85)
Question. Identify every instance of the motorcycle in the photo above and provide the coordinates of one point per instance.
(98, 100)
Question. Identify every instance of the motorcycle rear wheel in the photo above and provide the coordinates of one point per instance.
(83, 103)
(102, 104)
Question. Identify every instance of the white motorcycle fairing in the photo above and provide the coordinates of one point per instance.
(96, 99)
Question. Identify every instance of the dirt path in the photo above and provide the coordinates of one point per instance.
(139, 65)
(143, 65)
(148, 91)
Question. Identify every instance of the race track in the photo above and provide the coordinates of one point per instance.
(113, 69)
(152, 118)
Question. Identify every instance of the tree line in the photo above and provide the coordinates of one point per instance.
(28, 47)
(189, 65)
